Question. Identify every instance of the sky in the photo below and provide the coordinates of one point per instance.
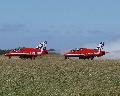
(65, 24)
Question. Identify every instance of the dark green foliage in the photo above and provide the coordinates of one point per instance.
(3, 51)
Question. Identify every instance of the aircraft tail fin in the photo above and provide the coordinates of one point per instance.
(100, 46)
(42, 45)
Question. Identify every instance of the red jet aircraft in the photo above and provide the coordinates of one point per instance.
(85, 53)
(25, 53)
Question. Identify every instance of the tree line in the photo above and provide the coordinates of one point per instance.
(3, 51)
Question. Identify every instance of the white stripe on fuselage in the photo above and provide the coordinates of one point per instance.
(39, 53)
(27, 53)
(19, 53)
(75, 54)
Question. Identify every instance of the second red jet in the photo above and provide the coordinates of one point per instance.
(29, 52)
(86, 53)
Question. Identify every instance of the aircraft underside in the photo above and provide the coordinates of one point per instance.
(24, 56)
(80, 57)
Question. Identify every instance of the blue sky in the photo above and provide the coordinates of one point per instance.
(63, 23)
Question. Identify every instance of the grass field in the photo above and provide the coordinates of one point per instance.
(53, 76)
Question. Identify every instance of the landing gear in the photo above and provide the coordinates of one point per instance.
(66, 57)
(32, 58)
(9, 57)
(26, 57)
(92, 58)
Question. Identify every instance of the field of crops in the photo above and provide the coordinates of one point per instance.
(51, 75)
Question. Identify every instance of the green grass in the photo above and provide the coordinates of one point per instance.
(53, 76)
